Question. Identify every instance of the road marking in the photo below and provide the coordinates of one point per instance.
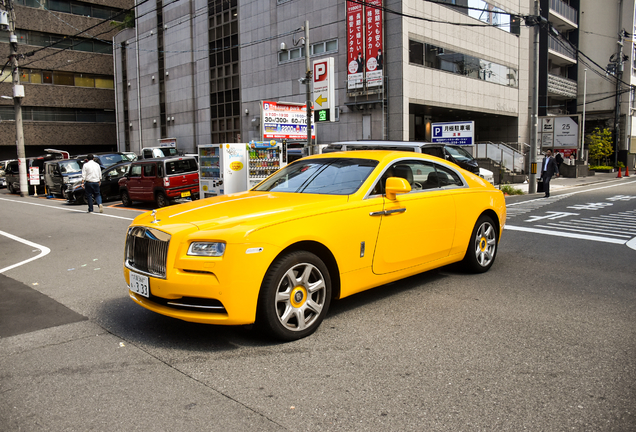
(43, 250)
(568, 235)
(67, 209)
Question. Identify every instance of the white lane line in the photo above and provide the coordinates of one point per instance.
(561, 227)
(622, 183)
(43, 250)
(67, 209)
(565, 234)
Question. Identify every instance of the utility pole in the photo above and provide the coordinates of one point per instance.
(534, 122)
(18, 94)
(619, 77)
(308, 73)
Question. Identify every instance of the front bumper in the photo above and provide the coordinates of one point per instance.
(208, 290)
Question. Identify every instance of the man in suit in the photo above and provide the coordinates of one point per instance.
(548, 169)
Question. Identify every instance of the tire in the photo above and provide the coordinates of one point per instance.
(482, 247)
(80, 199)
(294, 297)
(125, 199)
(162, 200)
(11, 189)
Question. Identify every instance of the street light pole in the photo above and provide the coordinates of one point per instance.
(18, 94)
(534, 122)
(583, 121)
(308, 85)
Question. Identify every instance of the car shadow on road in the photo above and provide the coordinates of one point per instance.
(134, 324)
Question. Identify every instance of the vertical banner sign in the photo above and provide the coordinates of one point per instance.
(355, 46)
(375, 57)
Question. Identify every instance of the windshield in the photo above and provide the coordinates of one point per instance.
(459, 153)
(70, 166)
(329, 176)
(111, 159)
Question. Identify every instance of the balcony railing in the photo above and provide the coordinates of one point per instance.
(562, 86)
(561, 47)
(565, 10)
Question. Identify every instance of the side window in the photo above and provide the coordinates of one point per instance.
(147, 154)
(135, 171)
(434, 151)
(414, 171)
(149, 170)
(447, 177)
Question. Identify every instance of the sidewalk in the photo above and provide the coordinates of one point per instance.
(559, 183)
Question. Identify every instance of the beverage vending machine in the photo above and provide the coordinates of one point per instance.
(222, 169)
(265, 158)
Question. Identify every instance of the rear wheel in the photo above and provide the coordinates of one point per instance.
(11, 189)
(482, 247)
(295, 296)
(162, 200)
(125, 199)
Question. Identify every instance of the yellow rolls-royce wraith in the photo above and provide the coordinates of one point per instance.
(322, 228)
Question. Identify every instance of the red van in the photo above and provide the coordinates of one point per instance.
(160, 180)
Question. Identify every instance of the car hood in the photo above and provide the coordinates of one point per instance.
(242, 212)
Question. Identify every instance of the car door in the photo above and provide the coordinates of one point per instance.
(134, 182)
(418, 227)
(148, 181)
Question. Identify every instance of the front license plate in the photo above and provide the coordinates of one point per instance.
(185, 194)
(139, 284)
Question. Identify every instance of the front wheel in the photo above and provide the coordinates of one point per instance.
(162, 200)
(482, 247)
(125, 199)
(295, 296)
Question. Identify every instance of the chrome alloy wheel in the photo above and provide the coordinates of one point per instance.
(300, 296)
(485, 244)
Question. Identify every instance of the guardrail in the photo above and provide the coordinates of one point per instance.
(510, 158)
(565, 10)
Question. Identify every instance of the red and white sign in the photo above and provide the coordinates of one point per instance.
(373, 42)
(355, 45)
(285, 121)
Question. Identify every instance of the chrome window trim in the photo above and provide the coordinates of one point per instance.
(368, 195)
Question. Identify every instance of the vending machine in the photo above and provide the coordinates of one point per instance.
(222, 169)
(265, 158)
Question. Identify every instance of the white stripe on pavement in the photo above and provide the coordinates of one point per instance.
(43, 250)
(65, 208)
(565, 234)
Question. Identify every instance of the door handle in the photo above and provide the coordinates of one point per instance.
(387, 212)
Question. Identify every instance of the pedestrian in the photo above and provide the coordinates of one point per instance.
(548, 169)
(91, 180)
(559, 159)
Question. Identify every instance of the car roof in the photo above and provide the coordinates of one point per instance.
(165, 158)
(382, 143)
(379, 155)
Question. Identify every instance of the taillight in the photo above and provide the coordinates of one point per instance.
(166, 181)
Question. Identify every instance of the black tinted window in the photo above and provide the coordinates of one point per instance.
(181, 166)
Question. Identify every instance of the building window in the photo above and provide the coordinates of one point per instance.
(51, 114)
(462, 64)
(484, 12)
(317, 49)
(225, 95)
(62, 42)
(74, 8)
(34, 76)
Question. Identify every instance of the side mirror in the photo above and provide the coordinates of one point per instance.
(396, 185)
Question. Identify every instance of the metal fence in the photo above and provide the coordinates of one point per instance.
(511, 156)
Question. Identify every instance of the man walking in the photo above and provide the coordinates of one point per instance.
(548, 169)
(91, 179)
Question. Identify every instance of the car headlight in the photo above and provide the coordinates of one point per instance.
(208, 249)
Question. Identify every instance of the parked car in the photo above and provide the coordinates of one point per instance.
(104, 160)
(324, 227)
(60, 174)
(3, 167)
(452, 153)
(12, 174)
(157, 152)
(160, 180)
(109, 187)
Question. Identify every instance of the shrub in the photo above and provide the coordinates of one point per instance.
(510, 190)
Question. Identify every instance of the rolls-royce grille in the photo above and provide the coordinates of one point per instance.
(147, 251)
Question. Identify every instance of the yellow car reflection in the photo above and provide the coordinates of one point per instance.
(322, 228)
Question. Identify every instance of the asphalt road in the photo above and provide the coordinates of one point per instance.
(545, 341)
